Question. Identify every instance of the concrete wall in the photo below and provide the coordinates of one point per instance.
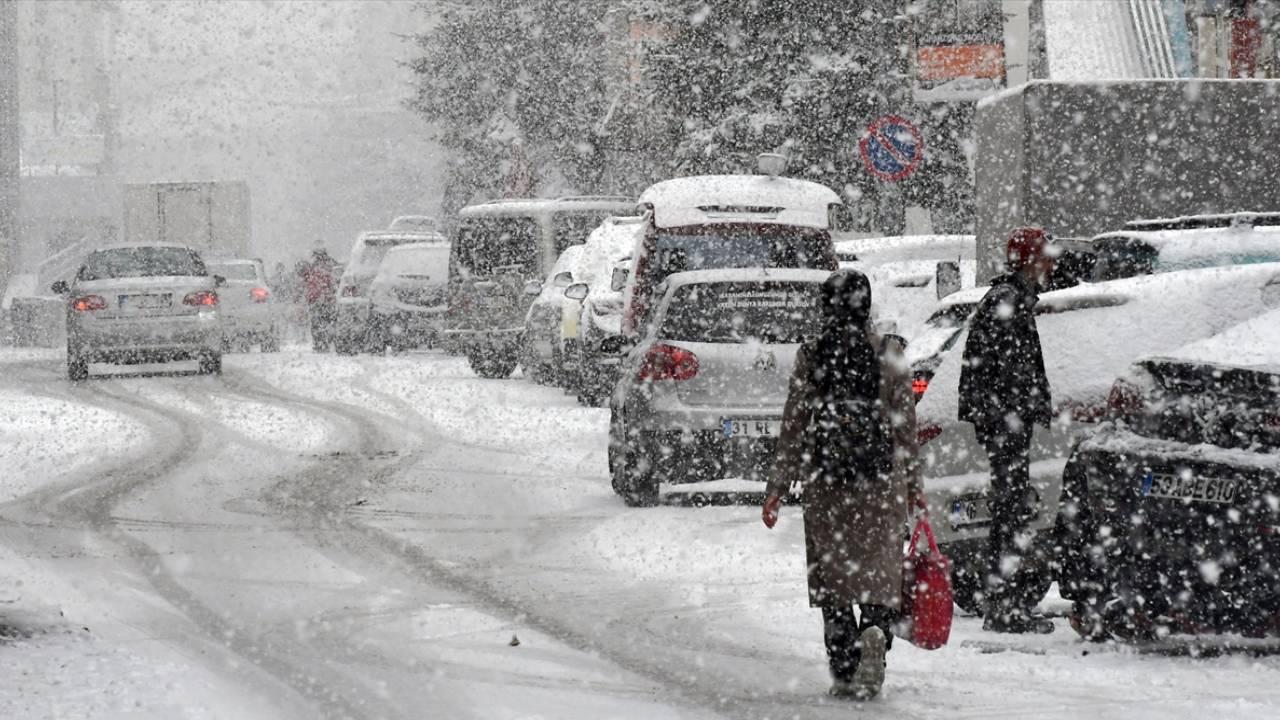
(1083, 158)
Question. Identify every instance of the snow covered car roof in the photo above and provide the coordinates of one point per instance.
(895, 248)
(401, 237)
(1091, 333)
(727, 275)
(704, 199)
(615, 239)
(1198, 247)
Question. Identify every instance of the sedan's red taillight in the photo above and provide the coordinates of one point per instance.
(89, 303)
(919, 384)
(668, 362)
(203, 298)
(260, 295)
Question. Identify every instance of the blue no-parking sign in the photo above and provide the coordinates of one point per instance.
(892, 148)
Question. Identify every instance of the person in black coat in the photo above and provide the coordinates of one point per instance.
(1004, 393)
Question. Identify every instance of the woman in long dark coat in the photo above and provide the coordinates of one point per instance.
(848, 440)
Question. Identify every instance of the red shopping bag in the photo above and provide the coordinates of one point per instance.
(926, 590)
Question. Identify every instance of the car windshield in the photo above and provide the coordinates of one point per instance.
(234, 271)
(414, 223)
(573, 228)
(484, 244)
(419, 263)
(774, 312)
(730, 248)
(371, 249)
(141, 262)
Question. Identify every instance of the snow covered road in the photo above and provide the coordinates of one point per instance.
(314, 536)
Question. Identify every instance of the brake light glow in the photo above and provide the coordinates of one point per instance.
(925, 433)
(668, 362)
(89, 303)
(260, 295)
(203, 298)
(919, 384)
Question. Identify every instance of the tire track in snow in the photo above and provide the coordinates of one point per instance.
(90, 502)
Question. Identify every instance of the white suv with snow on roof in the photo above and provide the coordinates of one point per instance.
(729, 221)
(501, 254)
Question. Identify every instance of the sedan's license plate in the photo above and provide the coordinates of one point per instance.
(1190, 487)
(970, 511)
(144, 302)
(751, 428)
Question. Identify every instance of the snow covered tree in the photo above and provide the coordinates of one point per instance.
(506, 83)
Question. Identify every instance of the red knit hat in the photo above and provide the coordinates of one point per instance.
(1027, 245)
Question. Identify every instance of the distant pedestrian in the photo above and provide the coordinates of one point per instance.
(320, 291)
(848, 441)
(1004, 392)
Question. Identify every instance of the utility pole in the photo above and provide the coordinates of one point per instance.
(10, 135)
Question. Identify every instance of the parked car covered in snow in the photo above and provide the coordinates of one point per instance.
(499, 247)
(1089, 334)
(131, 304)
(1165, 245)
(903, 272)
(543, 353)
(701, 395)
(250, 314)
(354, 306)
(729, 221)
(1170, 517)
(409, 296)
(591, 329)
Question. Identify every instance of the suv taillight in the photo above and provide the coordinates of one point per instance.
(260, 295)
(668, 362)
(203, 298)
(89, 303)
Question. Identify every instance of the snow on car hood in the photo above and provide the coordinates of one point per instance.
(1087, 342)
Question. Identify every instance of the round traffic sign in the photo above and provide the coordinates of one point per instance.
(892, 148)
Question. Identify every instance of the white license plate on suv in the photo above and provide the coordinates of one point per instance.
(1190, 487)
(750, 428)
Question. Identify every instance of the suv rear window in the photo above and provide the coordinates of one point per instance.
(235, 271)
(142, 262)
(715, 248)
(487, 243)
(773, 312)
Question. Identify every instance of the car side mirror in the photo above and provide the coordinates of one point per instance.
(577, 291)
(60, 287)
(619, 279)
(533, 287)
(219, 280)
(562, 279)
